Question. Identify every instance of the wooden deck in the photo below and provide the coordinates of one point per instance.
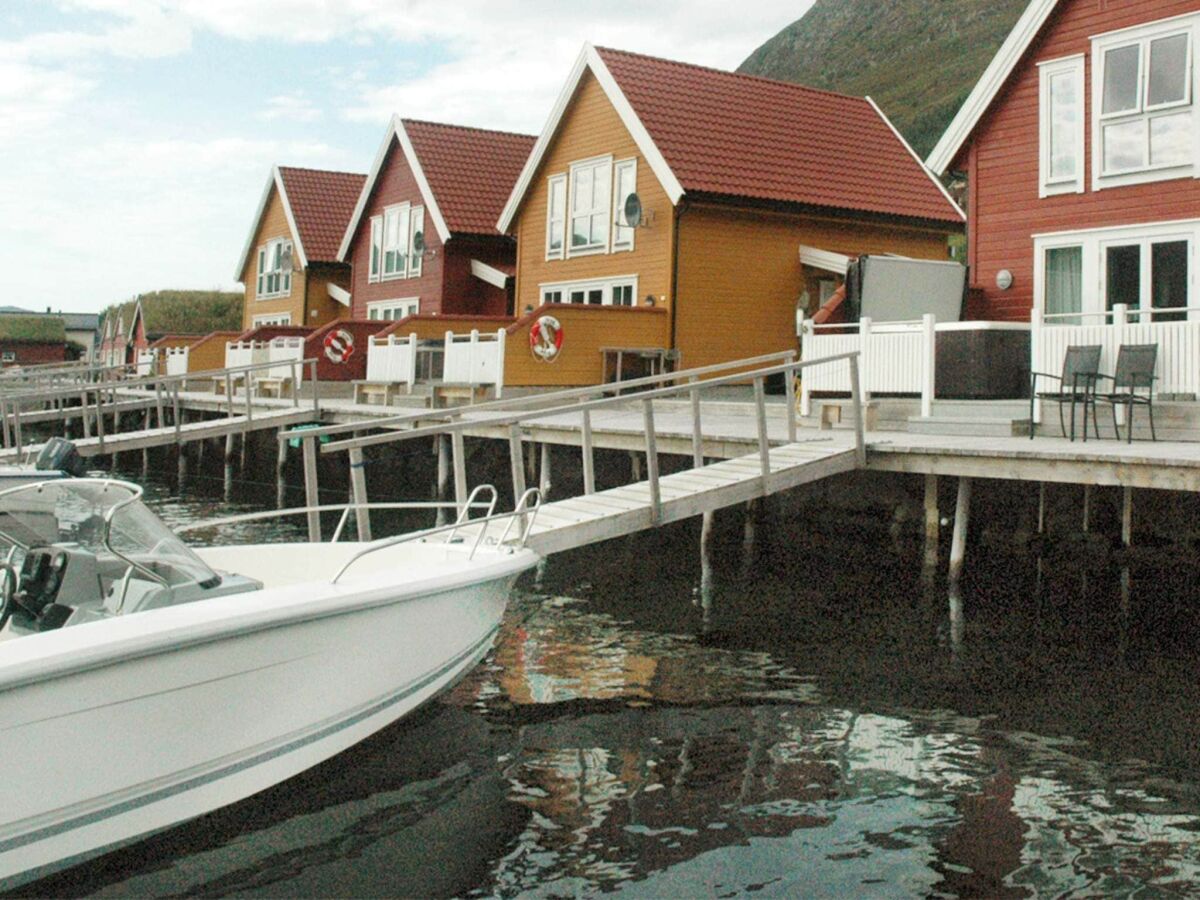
(579, 521)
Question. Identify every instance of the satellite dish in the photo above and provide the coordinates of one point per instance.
(285, 261)
(419, 244)
(633, 211)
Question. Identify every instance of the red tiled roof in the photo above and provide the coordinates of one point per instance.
(322, 203)
(741, 135)
(471, 171)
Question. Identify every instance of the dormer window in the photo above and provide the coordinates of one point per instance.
(274, 269)
(1143, 103)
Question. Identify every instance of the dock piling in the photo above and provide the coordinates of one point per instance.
(312, 496)
(932, 524)
(358, 486)
(545, 480)
(441, 447)
(962, 518)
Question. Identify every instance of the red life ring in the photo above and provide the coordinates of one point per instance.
(339, 345)
(546, 338)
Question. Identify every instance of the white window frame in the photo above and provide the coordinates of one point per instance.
(266, 254)
(1142, 35)
(596, 210)
(556, 181)
(622, 234)
(1072, 66)
(1095, 242)
(271, 319)
(375, 253)
(607, 285)
(406, 306)
(8, 356)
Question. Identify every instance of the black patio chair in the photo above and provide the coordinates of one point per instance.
(1133, 385)
(1076, 384)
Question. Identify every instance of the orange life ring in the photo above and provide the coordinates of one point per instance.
(546, 338)
(339, 345)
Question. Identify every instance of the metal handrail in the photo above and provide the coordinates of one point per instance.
(522, 508)
(514, 402)
(304, 510)
(586, 406)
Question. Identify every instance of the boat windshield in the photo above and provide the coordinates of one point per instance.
(102, 516)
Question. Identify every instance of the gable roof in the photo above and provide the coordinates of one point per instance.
(175, 312)
(707, 131)
(317, 204)
(464, 174)
(32, 329)
(994, 77)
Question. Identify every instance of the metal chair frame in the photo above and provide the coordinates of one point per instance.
(1134, 372)
(1081, 366)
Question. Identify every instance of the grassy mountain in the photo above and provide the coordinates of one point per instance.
(184, 312)
(918, 59)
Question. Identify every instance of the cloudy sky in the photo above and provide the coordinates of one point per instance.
(137, 135)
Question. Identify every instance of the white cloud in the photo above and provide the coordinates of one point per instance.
(290, 107)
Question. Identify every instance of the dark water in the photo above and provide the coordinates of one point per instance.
(837, 727)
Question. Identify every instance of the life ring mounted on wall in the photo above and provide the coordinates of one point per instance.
(339, 346)
(546, 338)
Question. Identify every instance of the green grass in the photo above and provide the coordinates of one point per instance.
(184, 312)
(48, 329)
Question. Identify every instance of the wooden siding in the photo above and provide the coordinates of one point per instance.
(395, 184)
(326, 309)
(740, 275)
(591, 127)
(585, 330)
(463, 293)
(273, 224)
(1002, 162)
(208, 353)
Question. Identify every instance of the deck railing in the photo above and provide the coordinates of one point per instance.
(895, 357)
(1176, 331)
(244, 353)
(177, 360)
(475, 359)
(392, 359)
(582, 402)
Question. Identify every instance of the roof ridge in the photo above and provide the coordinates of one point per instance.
(475, 128)
(322, 171)
(740, 75)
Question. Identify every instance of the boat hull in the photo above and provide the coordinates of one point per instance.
(201, 713)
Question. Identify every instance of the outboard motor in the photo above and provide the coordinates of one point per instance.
(60, 455)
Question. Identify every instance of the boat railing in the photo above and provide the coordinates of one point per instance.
(525, 512)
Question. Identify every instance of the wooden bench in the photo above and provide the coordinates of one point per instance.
(834, 412)
(655, 360)
(456, 394)
(273, 387)
(374, 393)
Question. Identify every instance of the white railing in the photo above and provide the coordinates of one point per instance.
(177, 360)
(392, 359)
(244, 353)
(894, 357)
(145, 362)
(284, 350)
(1178, 365)
(475, 359)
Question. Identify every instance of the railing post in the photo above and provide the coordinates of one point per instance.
(411, 375)
(312, 493)
(805, 388)
(312, 367)
(100, 419)
(473, 359)
(760, 414)
(249, 409)
(864, 356)
(158, 403)
(697, 427)
(1036, 324)
(17, 427)
(789, 389)
(860, 446)
(928, 363)
(501, 337)
(358, 483)
(229, 390)
(652, 462)
(589, 461)
(174, 409)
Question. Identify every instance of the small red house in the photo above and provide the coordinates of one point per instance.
(31, 340)
(423, 236)
(1081, 146)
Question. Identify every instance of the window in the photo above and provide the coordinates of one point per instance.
(1144, 107)
(394, 241)
(1148, 269)
(391, 310)
(1061, 124)
(624, 184)
(1064, 284)
(272, 319)
(607, 292)
(274, 269)
(376, 248)
(591, 184)
(8, 356)
(556, 216)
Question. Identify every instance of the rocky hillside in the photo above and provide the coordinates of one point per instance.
(918, 59)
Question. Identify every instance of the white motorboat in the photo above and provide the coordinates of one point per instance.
(143, 683)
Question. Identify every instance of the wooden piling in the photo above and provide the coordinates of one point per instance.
(1087, 507)
(312, 494)
(1126, 516)
(932, 523)
(962, 519)
(441, 446)
(544, 480)
(635, 466)
(358, 487)
(280, 468)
